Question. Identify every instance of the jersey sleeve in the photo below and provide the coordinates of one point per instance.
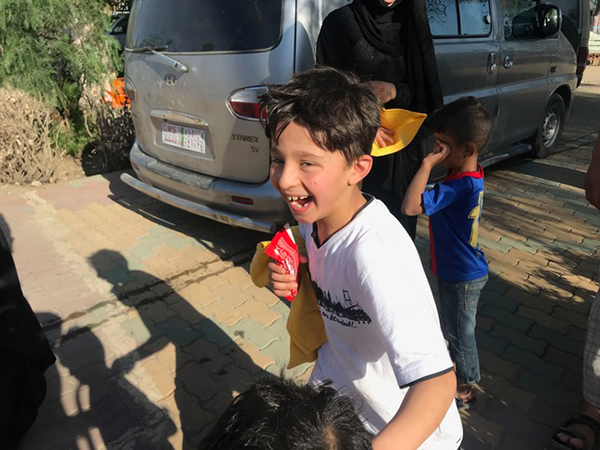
(441, 196)
(399, 301)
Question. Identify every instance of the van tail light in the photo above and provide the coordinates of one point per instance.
(130, 90)
(582, 57)
(244, 103)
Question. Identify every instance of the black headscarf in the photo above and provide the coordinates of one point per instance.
(380, 24)
(401, 30)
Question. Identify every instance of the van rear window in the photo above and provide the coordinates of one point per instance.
(205, 25)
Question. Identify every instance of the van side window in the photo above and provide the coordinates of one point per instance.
(455, 18)
(475, 18)
(519, 17)
(443, 17)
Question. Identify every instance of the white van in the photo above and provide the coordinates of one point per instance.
(194, 71)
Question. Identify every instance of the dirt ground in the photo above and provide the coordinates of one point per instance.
(70, 168)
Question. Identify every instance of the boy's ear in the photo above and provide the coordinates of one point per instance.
(470, 148)
(360, 169)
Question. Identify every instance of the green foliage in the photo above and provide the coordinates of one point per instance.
(54, 48)
(73, 138)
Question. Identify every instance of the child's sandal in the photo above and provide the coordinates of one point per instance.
(466, 405)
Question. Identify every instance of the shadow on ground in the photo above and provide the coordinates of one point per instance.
(225, 241)
(96, 404)
(99, 403)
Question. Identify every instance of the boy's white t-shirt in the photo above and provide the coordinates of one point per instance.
(380, 317)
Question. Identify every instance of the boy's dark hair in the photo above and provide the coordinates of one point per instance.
(338, 111)
(276, 414)
(464, 120)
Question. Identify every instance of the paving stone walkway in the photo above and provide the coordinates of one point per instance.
(156, 324)
(542, 241)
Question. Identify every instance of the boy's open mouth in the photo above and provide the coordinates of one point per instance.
(299, 202)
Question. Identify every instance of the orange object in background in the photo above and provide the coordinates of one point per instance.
(117, 95)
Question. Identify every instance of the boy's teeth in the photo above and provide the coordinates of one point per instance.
(293, 199)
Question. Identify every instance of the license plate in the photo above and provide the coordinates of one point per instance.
(184, 137)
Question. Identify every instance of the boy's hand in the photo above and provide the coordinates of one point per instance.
(384, 137)
(412, 204)
(439, 153)
(281, 282)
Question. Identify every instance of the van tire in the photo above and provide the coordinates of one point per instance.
(551, 127)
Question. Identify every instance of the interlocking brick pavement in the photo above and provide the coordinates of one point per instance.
(156, 325)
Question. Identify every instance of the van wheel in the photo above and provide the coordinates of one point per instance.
(551, 128)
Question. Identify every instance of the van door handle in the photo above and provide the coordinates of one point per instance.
(508, 62)
(492, 62)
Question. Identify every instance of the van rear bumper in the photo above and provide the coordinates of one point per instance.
(207, 196)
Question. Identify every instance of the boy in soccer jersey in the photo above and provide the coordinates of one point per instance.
(385, 348)
(454, 208)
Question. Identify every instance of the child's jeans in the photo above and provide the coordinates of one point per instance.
(458, 306)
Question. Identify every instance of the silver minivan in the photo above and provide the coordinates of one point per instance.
(195, 69)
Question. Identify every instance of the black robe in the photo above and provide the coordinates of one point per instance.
(413, 71)
(24, 356)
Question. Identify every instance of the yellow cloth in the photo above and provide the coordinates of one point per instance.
(405, 125)
(305, 323)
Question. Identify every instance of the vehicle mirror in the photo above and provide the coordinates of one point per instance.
(525, 24)
(551, 20)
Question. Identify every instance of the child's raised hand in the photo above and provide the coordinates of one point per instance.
(280, 281)
(439, 153)
(384, 137)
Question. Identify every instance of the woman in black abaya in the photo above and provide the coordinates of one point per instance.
(388, 43)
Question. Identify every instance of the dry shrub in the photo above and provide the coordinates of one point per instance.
(26, 152)
(116, 136)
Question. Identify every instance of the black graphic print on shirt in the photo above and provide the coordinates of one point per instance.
(341, 310)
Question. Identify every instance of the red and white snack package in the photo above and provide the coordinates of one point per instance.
(284, 250)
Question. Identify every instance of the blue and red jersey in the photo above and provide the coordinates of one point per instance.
(454, 208)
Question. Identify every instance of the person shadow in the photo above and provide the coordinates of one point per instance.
(120, 410)
(210, 368)
(91, 405)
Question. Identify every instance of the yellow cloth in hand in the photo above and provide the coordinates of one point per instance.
(305, 323)
(405, 125)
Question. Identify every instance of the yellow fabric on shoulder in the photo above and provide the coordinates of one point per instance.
(305, 323)
(404, 123)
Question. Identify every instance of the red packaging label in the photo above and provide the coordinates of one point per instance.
(284, 250)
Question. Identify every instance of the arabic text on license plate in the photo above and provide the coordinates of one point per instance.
(184, 137)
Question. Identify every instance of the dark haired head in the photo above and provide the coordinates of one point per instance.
(339, 112)
(276, 414)
(464, 120)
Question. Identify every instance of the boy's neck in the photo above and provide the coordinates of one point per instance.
(468, 165)
(345, 212)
